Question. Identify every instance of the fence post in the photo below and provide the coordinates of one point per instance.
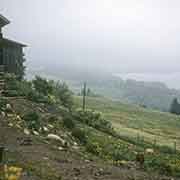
(84, 97)
(175, 147)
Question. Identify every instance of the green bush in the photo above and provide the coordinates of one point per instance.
(95, 120)
(3, 103)
(68, 122)
(94, 148)
(53, 118)
(38, 98)
(42, 86)
(15, 87)
(32, 120)
(11, 93)
(11, 81)
(63, 94)
(40, 90)
(80, 135)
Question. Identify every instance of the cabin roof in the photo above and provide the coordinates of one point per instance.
(3, 21)
(11, 42)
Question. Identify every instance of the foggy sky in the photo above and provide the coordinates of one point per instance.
(110, 35)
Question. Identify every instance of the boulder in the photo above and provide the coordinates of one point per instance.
(36, 133)
(3, 114)
(50, 126)
(26, 131)
(18, 118)
(45, 129)
(149, 151)
(9, 108)
(10, 124)
(56, 138)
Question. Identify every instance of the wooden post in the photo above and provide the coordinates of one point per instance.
(84, 97)
(1, 154)
(175, 147)
(1, 162)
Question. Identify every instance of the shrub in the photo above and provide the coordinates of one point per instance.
(94, 148)
(15, 87)
(11, 81)
(33, 120)
(38, 98)
(80, 135)
(42, 86)
(3, 103)
(53, 118)
(62, 92)
(51, 92)
(68, 122)
(94, 119)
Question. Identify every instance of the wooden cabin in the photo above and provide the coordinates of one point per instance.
(11, 53)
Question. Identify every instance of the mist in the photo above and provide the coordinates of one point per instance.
(132, 36)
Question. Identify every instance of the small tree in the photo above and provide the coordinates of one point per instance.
(62, 92)
(175, 107)
(42, 86)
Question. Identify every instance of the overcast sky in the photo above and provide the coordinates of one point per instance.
(112, 35)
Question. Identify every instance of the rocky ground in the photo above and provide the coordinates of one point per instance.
(42, 159)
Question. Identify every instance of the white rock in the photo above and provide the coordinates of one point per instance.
(60, 148)
(10, 115)
(149, 151)
(55, 137)
(75, 147)
(18, 118)
(45, 129)
(36, 133)
(10, 125)
(26, 131)
(18, 126)
(8, 107)
(50, 126)
(45, 158)
(3, 114)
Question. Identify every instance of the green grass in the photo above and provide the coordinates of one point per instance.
(132, 121)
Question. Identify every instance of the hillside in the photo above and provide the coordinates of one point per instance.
(132, 121)
(42, 159)
(47, 135)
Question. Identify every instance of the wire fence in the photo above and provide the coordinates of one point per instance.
(156, 144)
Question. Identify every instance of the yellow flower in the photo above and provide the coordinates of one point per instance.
(12, 172)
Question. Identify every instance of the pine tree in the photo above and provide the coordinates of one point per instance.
(175, 107)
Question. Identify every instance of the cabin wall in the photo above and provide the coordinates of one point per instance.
(1, 56)
(12, 58)
(1, 35)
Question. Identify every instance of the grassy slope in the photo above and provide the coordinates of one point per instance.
(43, 160)
(133, 121)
